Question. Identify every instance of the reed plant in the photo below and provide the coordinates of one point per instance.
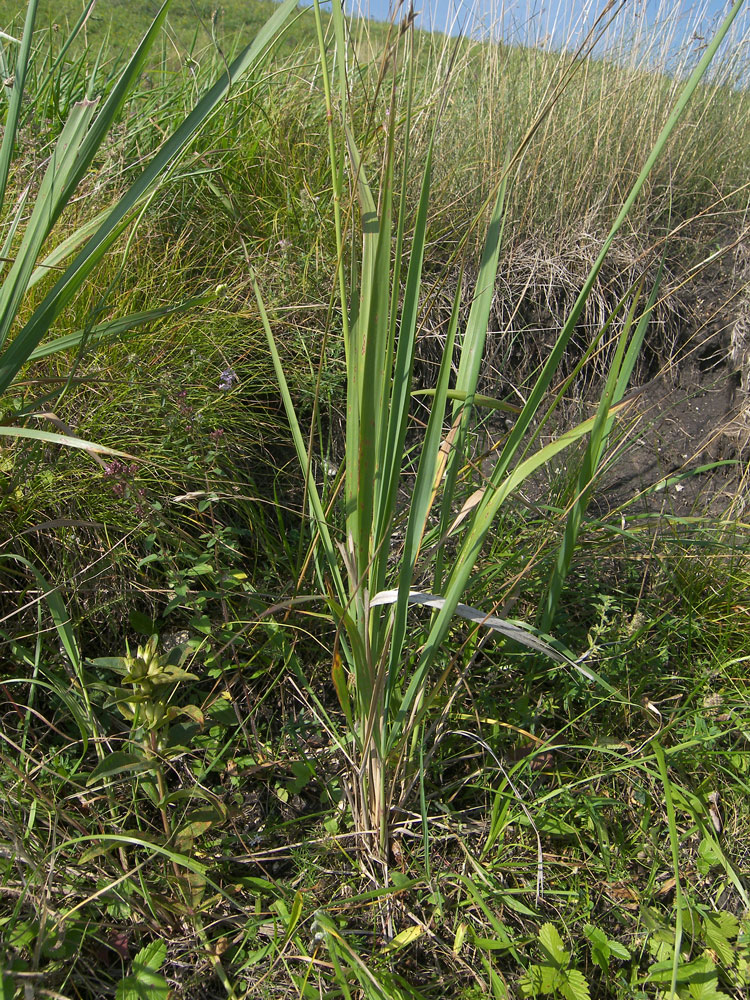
(180, 822)
(391, 549)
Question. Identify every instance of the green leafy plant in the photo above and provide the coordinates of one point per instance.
(713, 953)
(387, 686)
(149, 682)
(384, 676)
(553, 975)
(603, 948)
(145, 982)
(143, 702)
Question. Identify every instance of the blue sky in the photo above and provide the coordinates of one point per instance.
(685, 22)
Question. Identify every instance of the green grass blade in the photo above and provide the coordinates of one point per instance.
(374, 389)
(117, 327)
(16, 97)
(398, 410)
(319, 517)
(31, 335)
(67, 247)
(61, 619)
(390, 452)
(359, 523)
(45, 84)
(47, 207)
(422, 498)
(586, 472)
(50, 437)
(15, 221)
(78, 144)
(486, 402)
(617, 382)
(472, 352)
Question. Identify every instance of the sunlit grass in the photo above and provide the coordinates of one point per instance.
(325, 803)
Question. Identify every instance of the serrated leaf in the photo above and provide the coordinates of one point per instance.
(619, 950)
(709, 855)
(151, 957)
(721, 948)
(706, 989)
(600, 950)
(575, 986)
(551, 942)
(662, 952)
(146, 986)
(551, 978)
(721, 924)
(531, 983)
(700, 969)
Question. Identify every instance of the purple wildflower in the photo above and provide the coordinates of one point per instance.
(227, 379)
(182, 404)
(114, 468)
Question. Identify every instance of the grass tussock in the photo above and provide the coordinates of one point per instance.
(375, 335)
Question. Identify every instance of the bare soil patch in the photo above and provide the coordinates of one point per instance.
(682, 444)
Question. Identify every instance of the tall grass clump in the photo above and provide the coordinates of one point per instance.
(22, 338)
(581, 163)
(393, 549)
(255, 739)
(63, 214)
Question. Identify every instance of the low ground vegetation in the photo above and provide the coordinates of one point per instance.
(238, 757)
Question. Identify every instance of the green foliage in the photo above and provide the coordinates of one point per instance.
(73, 154)
(144, 981)
(603, 948)
(390, 675)
(719, 942)
(151, 677)
(553, 974)
(208, 795)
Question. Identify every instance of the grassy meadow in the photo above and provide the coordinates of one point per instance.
(373, 624)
